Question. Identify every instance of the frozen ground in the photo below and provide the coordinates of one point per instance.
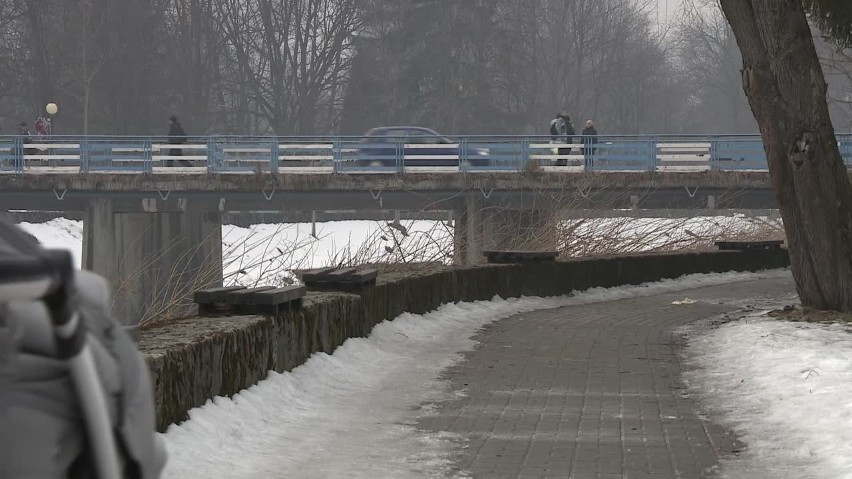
(785, 388)
(350, 414)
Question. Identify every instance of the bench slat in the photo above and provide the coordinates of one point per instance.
(244, 296)
(214, 295)
(278, 296)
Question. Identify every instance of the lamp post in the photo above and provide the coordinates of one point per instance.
(51, 109)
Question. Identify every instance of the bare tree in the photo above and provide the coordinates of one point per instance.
(292, 56)
(837, 64)
(12, 76)
(508, 65)
(193, 72)
(90, 67)
(709, 60)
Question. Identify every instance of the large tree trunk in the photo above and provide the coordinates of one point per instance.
(786, 89)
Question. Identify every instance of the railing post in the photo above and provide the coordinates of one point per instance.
(211, 155)
(525, 154)
(84, 155)
(714, 153)
(336, 154)
(462, 154)
(148, 150)
(652, 146)
(274, 151)
(400, 155)
(19, 156)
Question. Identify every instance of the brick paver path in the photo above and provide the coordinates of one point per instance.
(593, 391)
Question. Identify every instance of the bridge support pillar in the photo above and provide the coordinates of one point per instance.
(153, 260)
(467, 232)
(479, 227)
(634, 202)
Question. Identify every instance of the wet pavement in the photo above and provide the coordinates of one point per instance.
(594, 390)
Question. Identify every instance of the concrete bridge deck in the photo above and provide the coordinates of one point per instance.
(265, 192)
(237, 181)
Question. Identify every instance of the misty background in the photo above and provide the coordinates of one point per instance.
(315, 67)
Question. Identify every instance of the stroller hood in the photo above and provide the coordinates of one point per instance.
(42, 433)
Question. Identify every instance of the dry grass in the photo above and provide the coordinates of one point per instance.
(407, 247)
(543, 221)
(272, 259)
(174, 280)
(609, 236)
(274, 264)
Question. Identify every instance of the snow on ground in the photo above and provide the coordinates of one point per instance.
(786, 389)
(269, 252)
(351, 414)
(59, 233)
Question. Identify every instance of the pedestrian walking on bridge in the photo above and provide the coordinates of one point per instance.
(560, 129)
(590, 138)
(177, 136)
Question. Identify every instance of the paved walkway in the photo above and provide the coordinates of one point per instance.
(593, 391)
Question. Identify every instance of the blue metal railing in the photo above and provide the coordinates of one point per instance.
(235, 154)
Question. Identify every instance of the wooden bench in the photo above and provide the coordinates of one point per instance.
(735, 245)
(340, 279)
(277, 299)
(264, 299)
(212, 300)
(504, 257)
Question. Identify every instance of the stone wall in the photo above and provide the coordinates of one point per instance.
(196, 359)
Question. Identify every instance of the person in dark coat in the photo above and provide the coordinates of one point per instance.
(23, 132)
(569, 134)
(590, 138)
(557, 135)
(177, 136)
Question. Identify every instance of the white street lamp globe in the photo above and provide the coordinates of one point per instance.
(51, 108)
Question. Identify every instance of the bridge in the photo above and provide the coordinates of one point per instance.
(342, 155)
(152, 210)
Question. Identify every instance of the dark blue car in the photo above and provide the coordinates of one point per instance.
(423, 147)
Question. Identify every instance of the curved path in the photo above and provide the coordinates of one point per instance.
(594, 390)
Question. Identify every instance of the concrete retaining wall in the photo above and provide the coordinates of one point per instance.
(196, 359)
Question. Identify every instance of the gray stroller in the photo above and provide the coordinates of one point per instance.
(75, 394)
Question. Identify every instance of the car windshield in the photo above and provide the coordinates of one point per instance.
(428, 137)
(409, 135)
